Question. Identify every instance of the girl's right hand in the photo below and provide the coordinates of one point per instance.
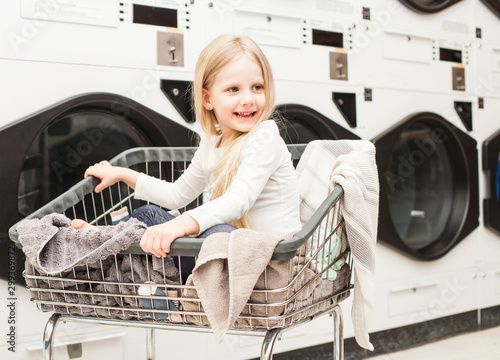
(108, 174)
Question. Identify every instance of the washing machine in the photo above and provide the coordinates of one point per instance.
(489, 238)
(426, 147)
(77, 91)
(427, 157)
(308, 46)
(81, 82)
(487, 88)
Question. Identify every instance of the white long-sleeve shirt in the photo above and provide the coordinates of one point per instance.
(264, 187)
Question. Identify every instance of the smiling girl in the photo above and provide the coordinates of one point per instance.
(242, 162)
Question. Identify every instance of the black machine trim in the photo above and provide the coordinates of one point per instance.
(346, 104)
(179, 94)
(464, 111)
(491, 165)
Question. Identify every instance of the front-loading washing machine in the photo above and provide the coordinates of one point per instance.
(81, 82)
(78, 87)
(487, 89)
(316, 100)
(489, 238)
(427, 159)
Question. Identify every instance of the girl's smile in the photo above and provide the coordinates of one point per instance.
(245, 114)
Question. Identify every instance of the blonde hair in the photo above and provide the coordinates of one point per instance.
(219, 53)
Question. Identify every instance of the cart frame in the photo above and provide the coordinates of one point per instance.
(315, 236)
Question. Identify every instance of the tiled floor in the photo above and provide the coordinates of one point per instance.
(480, 345)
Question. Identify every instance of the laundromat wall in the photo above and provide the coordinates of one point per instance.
(388, 71)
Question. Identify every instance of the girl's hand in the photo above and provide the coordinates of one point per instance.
(110, 175)
(158, 238)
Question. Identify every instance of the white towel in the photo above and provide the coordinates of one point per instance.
(351, 164)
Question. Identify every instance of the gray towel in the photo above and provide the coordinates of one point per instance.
(53, 247)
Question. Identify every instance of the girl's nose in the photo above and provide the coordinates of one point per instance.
(247, 99)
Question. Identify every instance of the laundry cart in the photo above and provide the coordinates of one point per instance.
(132, 288)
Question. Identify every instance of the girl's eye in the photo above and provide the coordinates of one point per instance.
(258, 87)
(233, 89)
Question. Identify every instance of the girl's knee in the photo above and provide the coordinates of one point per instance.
(222, 228)
(152, 215)
(148, 207)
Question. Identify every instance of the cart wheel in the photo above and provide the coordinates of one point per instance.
(48, 337)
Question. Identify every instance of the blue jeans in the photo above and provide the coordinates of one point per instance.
(154, 215)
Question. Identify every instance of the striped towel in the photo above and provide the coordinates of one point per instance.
(351, 164)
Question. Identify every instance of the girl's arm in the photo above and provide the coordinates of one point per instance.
(110, 175)
(177, 194)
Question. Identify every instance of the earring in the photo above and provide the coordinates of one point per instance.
(209, 107)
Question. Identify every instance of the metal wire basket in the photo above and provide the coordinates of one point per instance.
(98, 293)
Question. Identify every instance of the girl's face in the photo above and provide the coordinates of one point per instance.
(237, 96)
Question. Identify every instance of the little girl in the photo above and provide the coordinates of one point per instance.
(242, 161)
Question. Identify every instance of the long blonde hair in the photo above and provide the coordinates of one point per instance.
(220, 52)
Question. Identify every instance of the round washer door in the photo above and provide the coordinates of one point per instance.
(302, 124)
(49, 151)
(429, 198)
(428, 6)
(491, 165)
(59, 155)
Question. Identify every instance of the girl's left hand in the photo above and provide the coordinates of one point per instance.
(158, 238)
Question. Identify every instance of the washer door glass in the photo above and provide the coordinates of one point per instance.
(421, 187)
(59, 155)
